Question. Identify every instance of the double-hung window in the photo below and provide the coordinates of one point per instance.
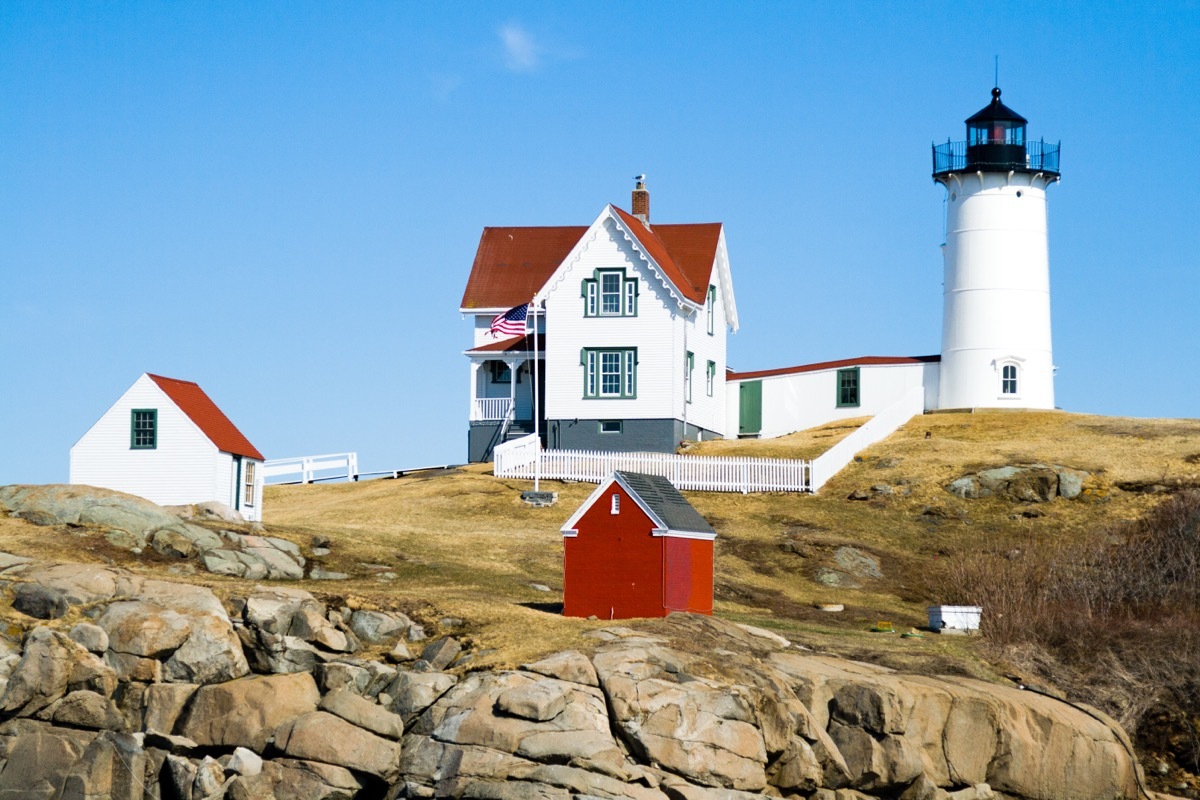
(1008, 379)
(248, 483)
(688, 378)
(609, 372)
(610, 293)
(847, 387)
(710, 377)
(143, 429)
(711, 308)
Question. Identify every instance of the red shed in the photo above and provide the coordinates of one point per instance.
(637, 548)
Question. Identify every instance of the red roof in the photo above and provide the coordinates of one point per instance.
(201, 410)
(512, 264)
(518, 344)
(685, 252)
(862, 361)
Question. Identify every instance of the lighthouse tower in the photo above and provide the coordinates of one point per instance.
(996, 304)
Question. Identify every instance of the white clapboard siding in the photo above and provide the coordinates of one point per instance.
(519, 459)
(184, 467)
(653, 332)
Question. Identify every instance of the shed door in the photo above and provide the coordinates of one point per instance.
(749, 408)
(687, 575)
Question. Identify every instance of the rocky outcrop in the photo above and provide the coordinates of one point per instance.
(1034, 483)
(168, 693)
(133, 524)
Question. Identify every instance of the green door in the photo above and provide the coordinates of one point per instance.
(749, 408)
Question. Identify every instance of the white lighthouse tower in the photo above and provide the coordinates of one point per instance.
(996, 308)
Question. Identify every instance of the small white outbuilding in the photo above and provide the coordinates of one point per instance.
(166, 440)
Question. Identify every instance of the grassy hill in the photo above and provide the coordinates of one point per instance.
(462, 543)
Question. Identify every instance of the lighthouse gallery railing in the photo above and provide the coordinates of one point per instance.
(1040, 156)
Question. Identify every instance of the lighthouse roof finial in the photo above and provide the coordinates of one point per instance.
(995, 111)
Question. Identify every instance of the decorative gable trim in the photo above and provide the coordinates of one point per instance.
(649, 261)
(608, 217)
(725, 279)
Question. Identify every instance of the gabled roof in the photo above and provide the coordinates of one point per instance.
(861, 361)
(201, 410)
(512, 264)
(670, 511)
(685, 253)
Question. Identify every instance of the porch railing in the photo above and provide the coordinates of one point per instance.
(489, 409)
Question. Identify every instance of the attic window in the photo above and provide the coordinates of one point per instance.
(143, 433)
(609, 293)
(616, 503)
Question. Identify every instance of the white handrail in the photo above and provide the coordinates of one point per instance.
(306, 466)
(876, 429)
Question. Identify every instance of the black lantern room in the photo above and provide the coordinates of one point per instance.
(995, 143)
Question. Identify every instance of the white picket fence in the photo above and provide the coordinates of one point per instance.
(302, 469)
(519, 458)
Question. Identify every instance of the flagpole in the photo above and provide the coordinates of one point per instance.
(537, 464)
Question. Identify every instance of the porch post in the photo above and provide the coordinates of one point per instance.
(513, 364)
(472, 414)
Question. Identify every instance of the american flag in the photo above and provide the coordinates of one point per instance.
(511, 322)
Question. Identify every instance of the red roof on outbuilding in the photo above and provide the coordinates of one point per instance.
(512, 264)
(862, 361)
(201, 410)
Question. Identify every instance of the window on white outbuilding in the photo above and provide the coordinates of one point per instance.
(248, 483)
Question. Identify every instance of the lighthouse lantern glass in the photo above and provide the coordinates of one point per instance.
(996, 131)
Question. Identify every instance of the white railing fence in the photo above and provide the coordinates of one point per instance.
(303, 468)
(876, 429)
(508, 457)
(518, 459)
(485, 409)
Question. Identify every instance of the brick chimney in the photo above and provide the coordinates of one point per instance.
(641, 200)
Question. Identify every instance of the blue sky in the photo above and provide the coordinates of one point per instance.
(281, 201)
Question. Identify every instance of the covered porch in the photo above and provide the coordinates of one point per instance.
(502, 393)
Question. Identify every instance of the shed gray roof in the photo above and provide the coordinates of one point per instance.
(666, 501)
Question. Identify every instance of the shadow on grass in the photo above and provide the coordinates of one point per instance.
(545, 608)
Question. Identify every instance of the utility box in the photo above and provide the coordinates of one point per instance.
(954, 619)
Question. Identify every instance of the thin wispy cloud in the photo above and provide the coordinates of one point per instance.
(521, 52)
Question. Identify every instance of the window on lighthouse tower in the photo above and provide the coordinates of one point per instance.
(1008, 379)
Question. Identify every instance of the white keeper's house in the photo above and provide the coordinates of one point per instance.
(630, 319)
(167, 441)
